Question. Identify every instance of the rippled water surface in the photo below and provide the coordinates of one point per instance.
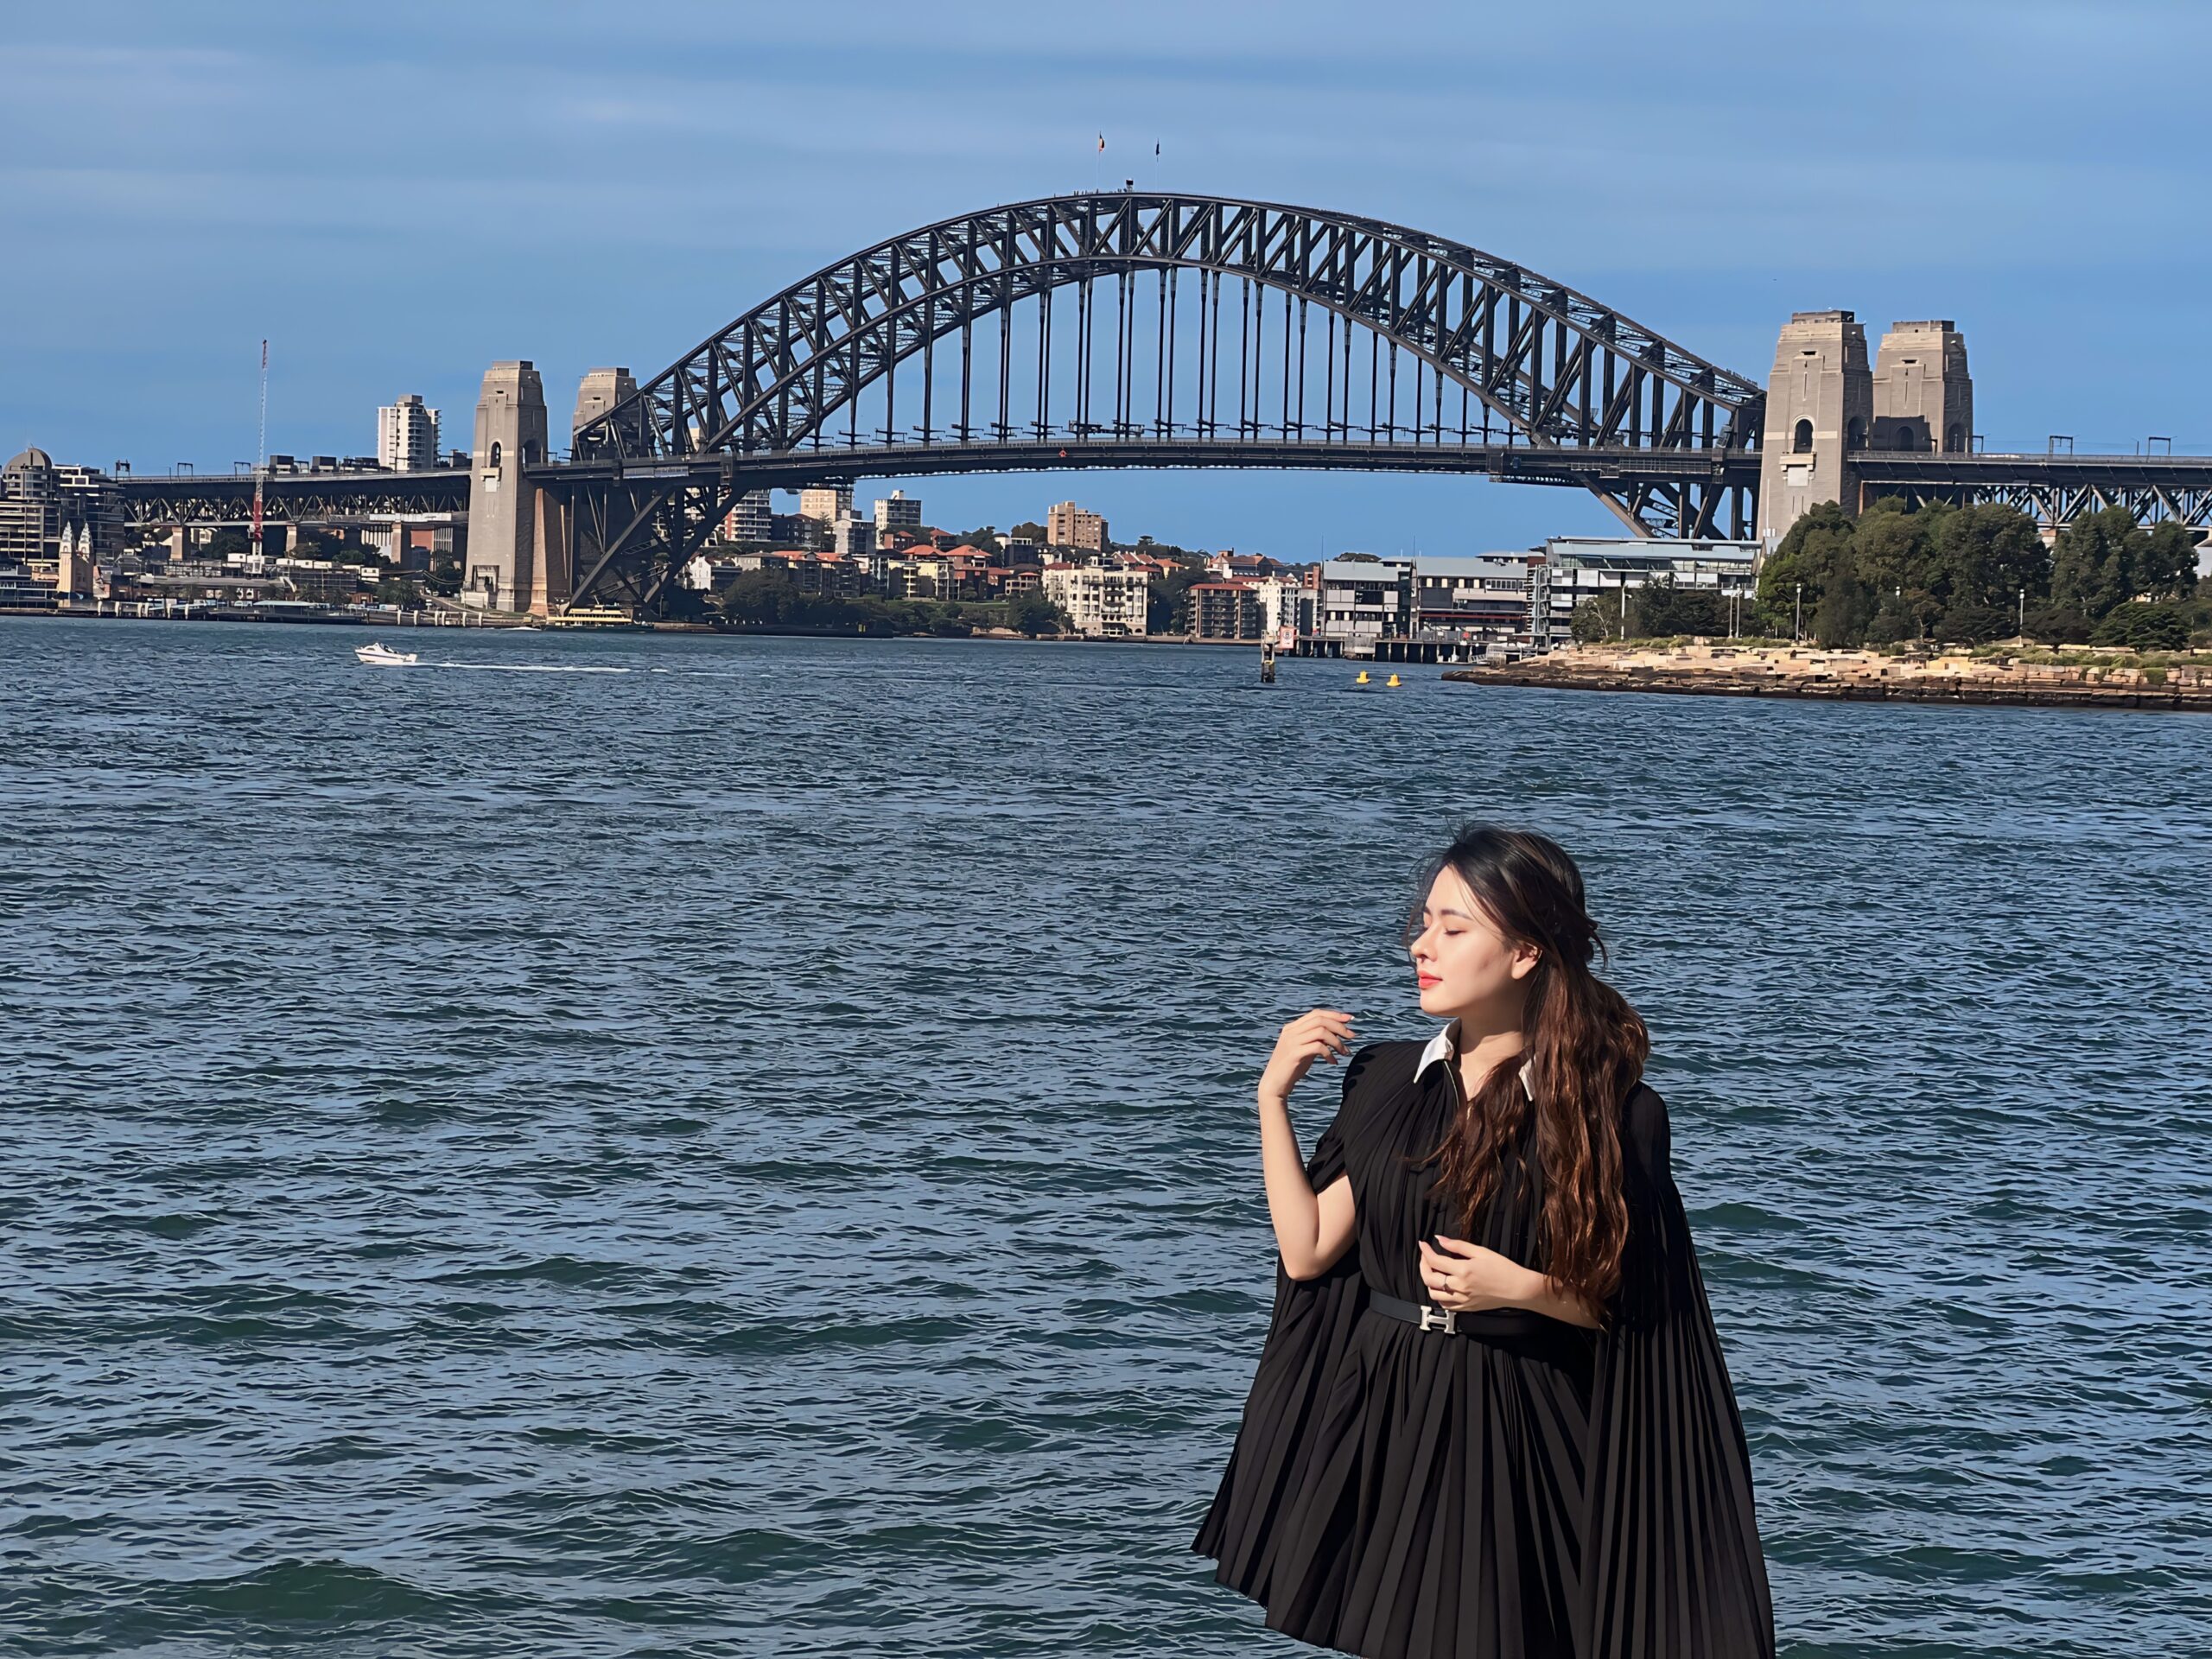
(751, 1153)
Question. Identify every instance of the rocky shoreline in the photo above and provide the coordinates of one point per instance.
(1727, 670)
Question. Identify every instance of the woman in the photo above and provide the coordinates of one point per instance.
(1491, 1417)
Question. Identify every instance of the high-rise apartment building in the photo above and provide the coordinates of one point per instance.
(825, 503)
(407, 436)
(897, 512)
(752, 521)
(1069, 525)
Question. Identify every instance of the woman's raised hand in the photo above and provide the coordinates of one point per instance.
(1304, 1040)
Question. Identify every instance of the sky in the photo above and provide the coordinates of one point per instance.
(396, 196)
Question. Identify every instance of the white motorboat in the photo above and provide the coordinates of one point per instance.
(384, 657)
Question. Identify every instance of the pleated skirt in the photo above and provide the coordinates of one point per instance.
(1402, 1494)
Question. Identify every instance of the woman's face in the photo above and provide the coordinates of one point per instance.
(1463, 964)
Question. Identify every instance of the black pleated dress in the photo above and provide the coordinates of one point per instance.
(1532, 1491)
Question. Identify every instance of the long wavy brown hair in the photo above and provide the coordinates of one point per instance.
(1585, 1047)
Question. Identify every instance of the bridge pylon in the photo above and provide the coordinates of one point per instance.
(502, 564)
(1820, 409)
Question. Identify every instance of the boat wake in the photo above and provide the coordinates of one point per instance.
(526, 668)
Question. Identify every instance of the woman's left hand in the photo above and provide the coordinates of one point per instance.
(1468, 1279)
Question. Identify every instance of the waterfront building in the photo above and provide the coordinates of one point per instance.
(1068, 526)
(1576, 568)
(30, 512)
(750, 522)
(1362, 602)
(1228, 566)
(74, 577)
(897, 511)
(1286, 604)
(21, 591)
(1225, 611)
(407, 436)
(1478, 602)
(826, 503)
(1103, 604)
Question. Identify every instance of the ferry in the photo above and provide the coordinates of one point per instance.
(378, 656)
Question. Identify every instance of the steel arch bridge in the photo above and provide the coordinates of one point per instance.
(1138, 329)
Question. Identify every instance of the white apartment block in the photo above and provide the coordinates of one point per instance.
(1103, 604)
(897, 511)
(751, 521)
(407, 436)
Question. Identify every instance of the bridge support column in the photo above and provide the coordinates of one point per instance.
(503, 561)
(553, 570)
(1820, 409)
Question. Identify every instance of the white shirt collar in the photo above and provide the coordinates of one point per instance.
(1444, 1046)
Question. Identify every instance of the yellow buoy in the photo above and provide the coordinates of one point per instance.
(1361, 680)
(1393, 680)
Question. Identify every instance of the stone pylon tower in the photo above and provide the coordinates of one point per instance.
(1820, 409)
(602, 390)
(502, 560)
(1923, 397)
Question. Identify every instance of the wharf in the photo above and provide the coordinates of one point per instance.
(1724, 670)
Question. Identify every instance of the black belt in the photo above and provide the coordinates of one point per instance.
(1488, 1322)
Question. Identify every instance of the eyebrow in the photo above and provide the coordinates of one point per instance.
(1446, 911)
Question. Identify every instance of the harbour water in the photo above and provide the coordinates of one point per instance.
(626, 1145)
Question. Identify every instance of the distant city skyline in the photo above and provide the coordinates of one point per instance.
(187, 186)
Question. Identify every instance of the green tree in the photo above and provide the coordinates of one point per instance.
(1028, 531)
(2053, 624)
(1166, 604)
(397, 590)
(1847, 604)
(1891, 547)
(1807, 555)
(2168, 567)
(1033, 614)
(1895, 620)
(445, 574)
(1987, 555)
(1596, 620)
(2145, 626)
(985, 540)
(1660, 609)
(2092, 565)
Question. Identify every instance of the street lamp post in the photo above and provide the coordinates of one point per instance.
(1797, 627)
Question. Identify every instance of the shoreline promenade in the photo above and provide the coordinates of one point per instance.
(1953, 676)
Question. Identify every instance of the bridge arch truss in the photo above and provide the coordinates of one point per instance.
(1160, 330)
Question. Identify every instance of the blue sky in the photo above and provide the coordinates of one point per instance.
(397, 195)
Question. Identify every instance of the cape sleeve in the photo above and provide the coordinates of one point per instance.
(1671, 1563)
(1309, 1332)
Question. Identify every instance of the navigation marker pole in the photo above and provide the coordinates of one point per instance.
(261, 450)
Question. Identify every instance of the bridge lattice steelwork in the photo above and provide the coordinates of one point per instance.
(1141, 329)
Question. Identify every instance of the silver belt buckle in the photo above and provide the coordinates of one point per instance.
(1446, 1320)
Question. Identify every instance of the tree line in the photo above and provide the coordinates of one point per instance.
(1966, 574)
(1960, 576)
